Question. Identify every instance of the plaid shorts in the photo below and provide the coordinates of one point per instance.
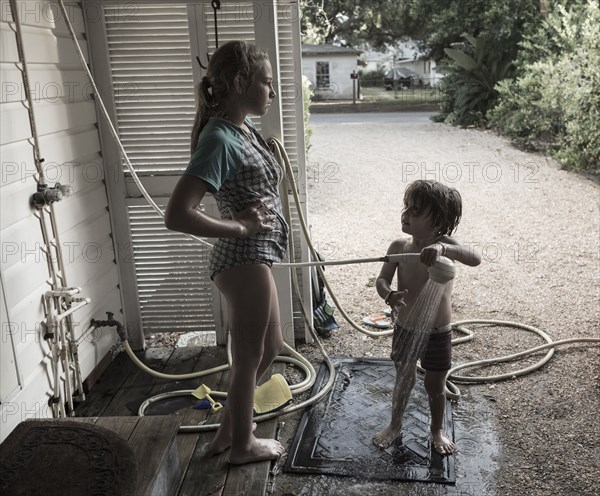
(438, 352)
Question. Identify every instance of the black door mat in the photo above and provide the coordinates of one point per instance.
(335, 435)
(62, 457)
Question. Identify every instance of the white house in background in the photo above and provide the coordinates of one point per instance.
(329, 69)
(405, 55)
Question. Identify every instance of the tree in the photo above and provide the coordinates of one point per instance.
(553, 105)
(376, 23)
(436, 24)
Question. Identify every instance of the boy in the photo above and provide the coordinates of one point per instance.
(431, 213)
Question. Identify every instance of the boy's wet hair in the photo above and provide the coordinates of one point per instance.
(443, 203)
(233, 60)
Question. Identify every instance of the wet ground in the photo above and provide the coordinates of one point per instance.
(360, 413)
(537, 229)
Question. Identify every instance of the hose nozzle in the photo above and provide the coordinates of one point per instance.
(442, 271)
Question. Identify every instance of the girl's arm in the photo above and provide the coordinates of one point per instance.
(182, 215)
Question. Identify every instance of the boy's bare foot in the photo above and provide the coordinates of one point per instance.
(385, 437)
(258, 450)
(221, 442)
(442, 444)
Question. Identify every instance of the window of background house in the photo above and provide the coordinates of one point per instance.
(322, 74)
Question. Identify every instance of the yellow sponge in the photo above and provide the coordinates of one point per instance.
(272, 395)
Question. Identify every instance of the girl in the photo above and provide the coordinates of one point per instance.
(232, 161)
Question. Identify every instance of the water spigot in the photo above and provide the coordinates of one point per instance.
(45, 195)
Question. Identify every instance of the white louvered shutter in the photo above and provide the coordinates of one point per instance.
(152, 57)
(150, 60)
(290, 91)
(154, 86)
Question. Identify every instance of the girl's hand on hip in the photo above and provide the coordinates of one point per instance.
(254, 218)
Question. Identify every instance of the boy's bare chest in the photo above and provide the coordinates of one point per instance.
(412, 276)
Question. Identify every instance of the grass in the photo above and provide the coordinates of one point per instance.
(380, 100)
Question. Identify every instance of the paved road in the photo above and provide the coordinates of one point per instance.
(367, 117)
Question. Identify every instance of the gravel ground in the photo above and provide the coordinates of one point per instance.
(537, 228)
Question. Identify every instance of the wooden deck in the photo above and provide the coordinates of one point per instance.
(124, 385)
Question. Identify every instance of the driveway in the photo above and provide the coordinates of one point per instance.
(537, 228)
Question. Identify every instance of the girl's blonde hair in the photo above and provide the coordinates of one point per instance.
(231, 61)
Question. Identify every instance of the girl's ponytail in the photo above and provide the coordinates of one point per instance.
(204, 111)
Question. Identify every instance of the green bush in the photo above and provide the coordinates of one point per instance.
(307, 95)
(372, 78)
(469, 87)
(554, 103)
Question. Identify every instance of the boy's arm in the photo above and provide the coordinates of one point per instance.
(386, 275)
(459, 252)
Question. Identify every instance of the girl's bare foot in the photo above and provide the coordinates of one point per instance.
(222, 441)
(385, 437)
(257, 450)
(442, 444)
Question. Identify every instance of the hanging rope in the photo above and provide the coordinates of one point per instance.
(216, 5)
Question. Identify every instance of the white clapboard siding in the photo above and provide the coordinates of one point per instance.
(31, 402)
(17, 161)
(12, 208)
(51, 116)
(48, 83)
(92, 232)
(46, 14)
(69, 142)
(9, 379)
(91, 261)
(25, 316)
(16, 114)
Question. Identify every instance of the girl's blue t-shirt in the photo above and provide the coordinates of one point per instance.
(219, 153)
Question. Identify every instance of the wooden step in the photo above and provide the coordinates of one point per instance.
(154, 442)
